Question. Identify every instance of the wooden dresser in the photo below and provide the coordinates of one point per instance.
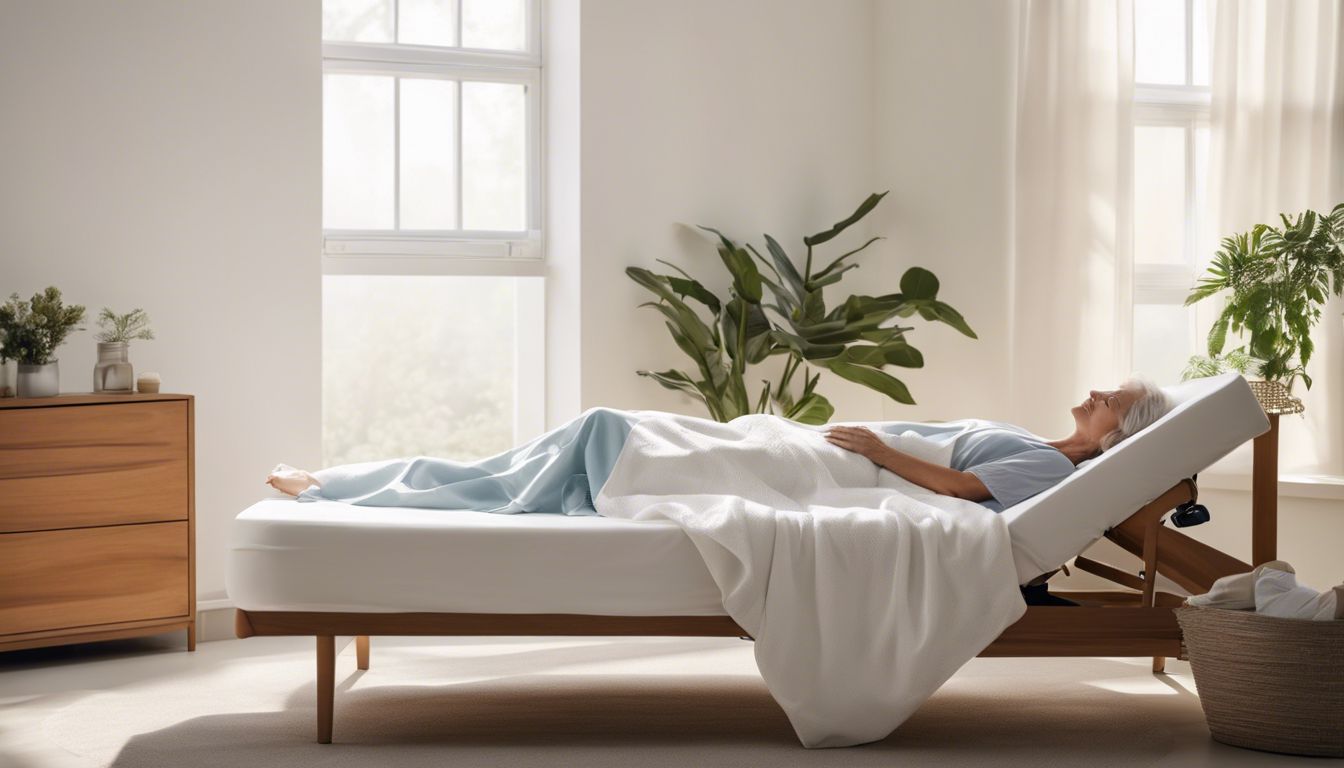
(97, 518)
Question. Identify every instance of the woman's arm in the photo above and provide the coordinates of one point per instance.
(939, 479)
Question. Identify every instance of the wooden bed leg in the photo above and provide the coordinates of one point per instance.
(1150, 562)
(191, 635)
(362, 651)
(1150, 575)
(326, 686)
(1265, 494)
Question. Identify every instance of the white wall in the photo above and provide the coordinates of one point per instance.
(167, 155)
(944, 113)
(769, 116)
(752, 116)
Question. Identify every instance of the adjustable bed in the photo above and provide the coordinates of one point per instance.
(327, 569)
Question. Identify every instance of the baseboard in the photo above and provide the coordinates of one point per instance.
(214, 620)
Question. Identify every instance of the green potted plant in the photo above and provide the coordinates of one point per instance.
(30, 332)
(777, 309)
(1278, 278)
(114, 372)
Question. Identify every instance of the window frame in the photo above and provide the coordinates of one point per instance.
(459, 252)
(447, 251)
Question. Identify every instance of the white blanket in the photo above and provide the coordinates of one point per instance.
(864, 593)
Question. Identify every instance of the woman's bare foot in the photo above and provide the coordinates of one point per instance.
(287, 479)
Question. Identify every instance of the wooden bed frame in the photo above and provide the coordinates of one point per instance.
(1135, 621)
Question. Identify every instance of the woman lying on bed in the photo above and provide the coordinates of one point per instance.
(989, 462)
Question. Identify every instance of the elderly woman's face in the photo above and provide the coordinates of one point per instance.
(1102, 411)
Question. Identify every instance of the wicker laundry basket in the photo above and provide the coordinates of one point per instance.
(1268, 683)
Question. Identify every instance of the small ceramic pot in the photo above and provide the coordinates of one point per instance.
(148, 383)
(113, 373)
(39, 380)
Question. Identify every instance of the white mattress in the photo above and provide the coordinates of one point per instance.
(327, 556)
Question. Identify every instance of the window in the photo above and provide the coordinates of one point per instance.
(1171, 157)
(431, 131)
(432, 239)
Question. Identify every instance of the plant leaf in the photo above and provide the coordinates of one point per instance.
(864, 208)
(834, 277)
(722, 237)
(746, 278)
(953, 318)
(873, 379)
(674, 380)
(834, 264)
(812, 409)
(806, 349)
(919, 283)
(784, 265)
(1218, 333)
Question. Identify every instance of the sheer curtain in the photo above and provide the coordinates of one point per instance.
(1070, 292)
(1278, 147)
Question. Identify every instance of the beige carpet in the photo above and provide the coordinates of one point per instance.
(580, 701)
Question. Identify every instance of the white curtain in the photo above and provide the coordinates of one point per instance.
(1071, 294)
(1278, 147)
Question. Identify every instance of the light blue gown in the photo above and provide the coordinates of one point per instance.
(1014, 464)
(562, 471)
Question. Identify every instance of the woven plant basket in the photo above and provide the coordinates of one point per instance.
(1274, 397)
(1268, 683)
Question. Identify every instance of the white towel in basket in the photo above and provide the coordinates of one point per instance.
(1277, 593)
(1236, 592)
(1272, 589)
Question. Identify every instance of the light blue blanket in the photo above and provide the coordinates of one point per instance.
(559, 472)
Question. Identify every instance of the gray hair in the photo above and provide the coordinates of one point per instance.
(1151, 404)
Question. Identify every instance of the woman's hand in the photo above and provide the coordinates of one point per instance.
(860, 440)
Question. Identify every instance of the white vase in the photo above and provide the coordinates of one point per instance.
(113, 372)
(39, 380)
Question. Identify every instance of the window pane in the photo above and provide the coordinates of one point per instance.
(364, 21)
(1159, 195)
(494, 156)
(1203, 56)
(1159, 41)
(357, 151)
(428, 149)
(498, 24)
(426, 22)
(1203, 219)
(415, 365)
(1163, 340)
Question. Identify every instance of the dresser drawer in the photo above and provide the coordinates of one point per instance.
(88, 465)
(60, 579)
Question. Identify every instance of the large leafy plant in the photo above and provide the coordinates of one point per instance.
(30, 331)
(1279, 278)
(775, 309)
